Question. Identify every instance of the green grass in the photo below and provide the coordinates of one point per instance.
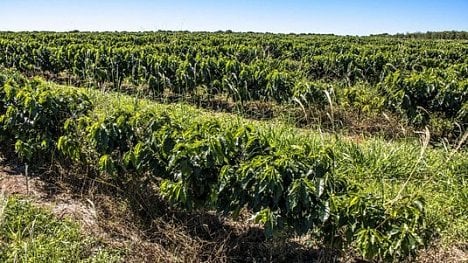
(436, 173)
(32, 234)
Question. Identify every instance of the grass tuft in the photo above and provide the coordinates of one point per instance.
(32, 234)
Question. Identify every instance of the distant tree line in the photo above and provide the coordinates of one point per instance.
(430, 35)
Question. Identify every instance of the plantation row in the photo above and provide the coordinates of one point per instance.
(292, 185)
(423, 81)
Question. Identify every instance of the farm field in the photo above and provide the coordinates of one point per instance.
(314, 147)
(312, 80)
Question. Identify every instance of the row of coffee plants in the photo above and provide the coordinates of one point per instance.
(204, 163)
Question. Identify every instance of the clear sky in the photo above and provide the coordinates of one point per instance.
(352, 17)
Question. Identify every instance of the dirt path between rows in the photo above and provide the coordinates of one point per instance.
(14, 182)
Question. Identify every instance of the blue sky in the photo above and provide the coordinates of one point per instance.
(358, 17)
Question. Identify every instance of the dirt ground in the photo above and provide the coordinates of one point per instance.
(63, 205)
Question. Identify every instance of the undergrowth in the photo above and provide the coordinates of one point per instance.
(32, 234)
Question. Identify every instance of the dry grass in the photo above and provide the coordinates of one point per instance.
(439, 253)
